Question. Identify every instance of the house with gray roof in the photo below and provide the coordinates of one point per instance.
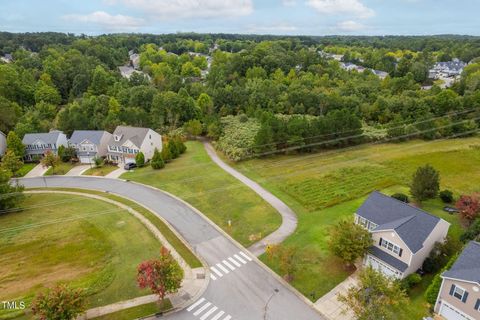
(3, 144)
(403, 235)
(37, 144)
(459, 295)
(126, 142)
(90, 144)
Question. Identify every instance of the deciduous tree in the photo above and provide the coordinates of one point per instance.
(469, 207)
(59, 303)
(11, 162)
(14, 143)
(349, 241)
(50, 160)
(425, 183)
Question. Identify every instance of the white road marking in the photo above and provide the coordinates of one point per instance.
(228, 265)
(218, 315)
(193, 306)
(245, 256)
(205, 306)
(222, 268)
(216, 271)
(228, 317)
(213, 277)
(234, 262)
(239, 259)
(209, 312)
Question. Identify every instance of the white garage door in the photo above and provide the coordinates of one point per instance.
(85, 159)
(129, 160)
(449, 313)
(381, 267)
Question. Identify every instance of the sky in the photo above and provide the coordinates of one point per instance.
(279, 17)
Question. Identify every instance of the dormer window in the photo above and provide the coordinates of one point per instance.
(117, 137)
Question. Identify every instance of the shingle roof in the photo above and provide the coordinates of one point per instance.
(134, 134)
(93, 136)
(51, 137)
(467, 266)
(387, 258)
(413, 225)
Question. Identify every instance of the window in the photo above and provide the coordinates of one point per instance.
(366, 223)
(459, 293)
(477, 305)
(391, 247)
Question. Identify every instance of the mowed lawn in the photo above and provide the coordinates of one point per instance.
(100, 171)
(326, 187)
(85, 242)
(197, 180)
(61, 169)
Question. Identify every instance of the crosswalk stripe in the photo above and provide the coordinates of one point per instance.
(209, 312)
(245, 256)
(228, 265)
(234, 262)
(205, 306)
(218, 315)
(239, 259)
(213, 277)
(228, 317)
(193, 306)
(216, 271)
(222, 268)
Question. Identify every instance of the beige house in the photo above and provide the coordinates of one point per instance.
(126, 142)
(89, 144)
(459, 296)
(403, 235)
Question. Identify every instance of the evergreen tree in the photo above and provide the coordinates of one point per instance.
(425, 183)
(166, 155)
(157, 160)
(140, 159)
(11, 162)
(174, 152)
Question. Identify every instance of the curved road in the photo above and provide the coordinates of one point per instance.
(289, 218)
(240, 289)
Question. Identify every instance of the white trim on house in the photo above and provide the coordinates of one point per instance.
(461, 280)
(448, 305)
(397, 273)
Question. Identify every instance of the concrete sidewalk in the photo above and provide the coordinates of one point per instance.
(38, 171)
(329, 305)
(78, 170)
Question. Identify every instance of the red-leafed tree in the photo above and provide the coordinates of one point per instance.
(469, 207)
(162, 276)
(59, 303)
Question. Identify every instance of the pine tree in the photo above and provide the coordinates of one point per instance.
(157, 160)
(140, 159)
(425, 183)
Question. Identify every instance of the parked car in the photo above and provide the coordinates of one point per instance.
(129, 166)
(450, 210)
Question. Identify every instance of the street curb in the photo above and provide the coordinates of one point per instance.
(264, 266)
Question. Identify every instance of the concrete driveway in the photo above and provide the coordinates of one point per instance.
(38, 171)
(241, 288)
(329, 305)
(78, 170)
(116, 173)
(289, 218)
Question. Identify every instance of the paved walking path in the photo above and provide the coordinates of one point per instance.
(78, 170)
(289, 218)
(329, 305)
(38, 171)
(115, 174)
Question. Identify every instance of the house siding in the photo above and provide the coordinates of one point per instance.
(152, 140)
(393, 237)
(467, 307)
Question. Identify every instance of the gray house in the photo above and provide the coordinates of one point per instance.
(90, 144)
(37, 144)
(403, 235)
(3, 144)
(459, 295)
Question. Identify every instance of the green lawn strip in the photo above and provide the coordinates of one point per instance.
(101, 171)
(138, 312)
(60, 170)
(26, 168)
(108, 244)
(199, 181)
(178, 244)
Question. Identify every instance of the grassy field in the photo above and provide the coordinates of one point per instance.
(25, 169)
(37, 246)
(101, 171)
(61, 169)
(326, 187)
(196, 179)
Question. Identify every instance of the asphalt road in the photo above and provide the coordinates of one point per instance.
(289, 218)
(241, 290)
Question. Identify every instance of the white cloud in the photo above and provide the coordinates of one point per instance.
(353, 7)
(174, 9)
(108, 21)
(350, 26)
(289, 3)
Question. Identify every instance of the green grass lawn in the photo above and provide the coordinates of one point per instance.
(101, 171)
(325, 187)
(61, 169)
(196, 179)
(85, 242)
(25, 169)
(138, 312)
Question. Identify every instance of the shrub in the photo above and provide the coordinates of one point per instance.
(440, 255)
(472, 232)
(140, 159)
(401, 197)
(410, 281)
(433, 289)
(59, 303)
(446, 196)
(172, 147)
(469, 207)
(193, 127)
(98, 162)
(157, 160)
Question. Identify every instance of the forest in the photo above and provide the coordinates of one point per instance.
(255, 94)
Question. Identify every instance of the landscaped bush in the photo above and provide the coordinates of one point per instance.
(472, 232)
(440, 255)
(446, 196)
(410, 281)
(401, 197)
(433, 289)
(98, 162)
